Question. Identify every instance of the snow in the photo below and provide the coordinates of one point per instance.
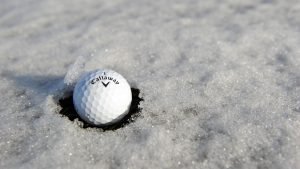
(220, 82)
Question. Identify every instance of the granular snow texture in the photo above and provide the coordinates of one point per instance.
(220, 82)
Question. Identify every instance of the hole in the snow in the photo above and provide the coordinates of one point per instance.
(69, 111)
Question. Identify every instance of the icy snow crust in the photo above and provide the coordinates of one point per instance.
(220, 82)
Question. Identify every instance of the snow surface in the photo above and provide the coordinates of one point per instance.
(220, 82)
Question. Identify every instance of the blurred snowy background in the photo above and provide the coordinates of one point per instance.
(220, 82)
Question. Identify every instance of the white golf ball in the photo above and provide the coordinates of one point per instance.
(102, 97)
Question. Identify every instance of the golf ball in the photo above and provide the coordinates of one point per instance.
(102, 97)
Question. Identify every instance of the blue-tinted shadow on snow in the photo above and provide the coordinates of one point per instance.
(35, 83)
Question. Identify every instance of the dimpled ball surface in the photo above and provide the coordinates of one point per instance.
(102, 97)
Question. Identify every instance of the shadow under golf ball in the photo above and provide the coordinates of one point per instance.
(68, 110)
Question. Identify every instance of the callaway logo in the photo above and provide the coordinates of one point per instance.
(105, 85)
(104, 78)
